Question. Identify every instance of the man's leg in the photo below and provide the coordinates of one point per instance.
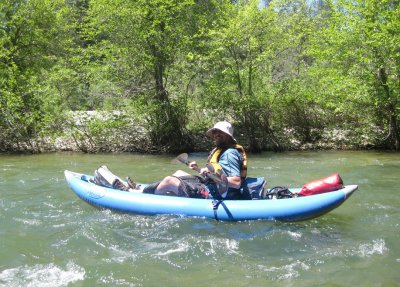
(180, 173)
(168, 184)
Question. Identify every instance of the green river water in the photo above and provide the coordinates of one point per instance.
(50, 237)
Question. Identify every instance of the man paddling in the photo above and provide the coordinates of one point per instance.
(227, 161)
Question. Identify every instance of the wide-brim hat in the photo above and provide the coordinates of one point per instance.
(224, 127)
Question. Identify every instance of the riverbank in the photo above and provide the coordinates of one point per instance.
(93, 132)
(138, 140)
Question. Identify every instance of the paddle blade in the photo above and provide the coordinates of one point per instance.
(182, 158)
(223, 185)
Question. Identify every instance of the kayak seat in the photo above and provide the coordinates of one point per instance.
(252, 187)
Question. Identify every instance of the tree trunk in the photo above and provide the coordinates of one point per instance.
(393, 138)
(254, 146)
(161, 92)
(395, 131)
(168, 130)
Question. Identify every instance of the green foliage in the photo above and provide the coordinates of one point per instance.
(100, 131)
(361, 42)
(242, 57)
(30, 44)
(146, 43)
(274, 68)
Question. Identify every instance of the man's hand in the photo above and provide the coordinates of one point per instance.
(193, 165)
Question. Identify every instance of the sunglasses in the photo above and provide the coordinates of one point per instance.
(217, 132)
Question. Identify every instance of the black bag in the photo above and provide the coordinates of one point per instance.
(277, 192)
(192, 186)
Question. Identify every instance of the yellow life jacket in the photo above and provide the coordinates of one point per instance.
(217, 152)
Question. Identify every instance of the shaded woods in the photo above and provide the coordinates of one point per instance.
(289, 74)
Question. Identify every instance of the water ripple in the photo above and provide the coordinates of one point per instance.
(44, 275)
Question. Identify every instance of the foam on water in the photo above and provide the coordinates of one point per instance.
(377, 246)
(32, 222)
(229, 246)
(285, 272)
(44, 275)
(179, 249)
(295, 235)
(111, 281)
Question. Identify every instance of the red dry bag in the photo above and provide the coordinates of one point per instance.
(322, 185)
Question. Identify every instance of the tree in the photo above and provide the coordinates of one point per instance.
(362, 40)
(144, 41)
(30, 43)
(234, 63)
(296, 93)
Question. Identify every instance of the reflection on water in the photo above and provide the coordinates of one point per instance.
(49, 237)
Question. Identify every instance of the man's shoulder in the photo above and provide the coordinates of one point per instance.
(231, 151)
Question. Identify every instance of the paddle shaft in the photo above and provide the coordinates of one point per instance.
(209, 175)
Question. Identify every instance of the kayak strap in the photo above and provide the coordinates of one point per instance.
(216, 203)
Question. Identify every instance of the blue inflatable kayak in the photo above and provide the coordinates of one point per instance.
(290, 209)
